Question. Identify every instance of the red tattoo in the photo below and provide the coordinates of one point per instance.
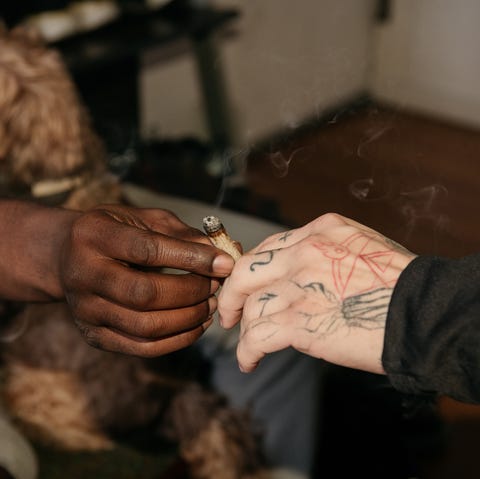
(344, 266)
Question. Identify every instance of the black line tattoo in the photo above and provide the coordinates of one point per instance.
(367, 310)
(326, 314)
(262, 323)
(316, 286)
(270, 253)
(285, 236)
(266, 298)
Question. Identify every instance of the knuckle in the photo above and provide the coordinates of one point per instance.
(242, 265)
(255, 331)
(149, 327)
(143, 250)
(165, 220)
(301, 343)
(143, 293)
(194, 256)
(169, 217)
(198, 287)
(87, 224)
(112, 318)
(188, 289)
(333, 218)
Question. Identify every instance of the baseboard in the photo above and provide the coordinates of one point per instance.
(333, 114)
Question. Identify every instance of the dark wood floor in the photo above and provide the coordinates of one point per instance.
(414, 178)
(417, 180)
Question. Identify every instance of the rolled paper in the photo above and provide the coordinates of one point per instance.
(219, 237)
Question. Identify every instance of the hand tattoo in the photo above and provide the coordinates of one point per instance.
(285, 236)
(270, 255)
(266, 298)
(367, 310)
(323, 313)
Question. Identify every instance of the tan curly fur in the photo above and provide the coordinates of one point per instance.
(57, 413)
(42, 116)
(61, 390)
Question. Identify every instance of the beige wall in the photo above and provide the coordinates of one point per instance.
(427, 58)
(289, 61)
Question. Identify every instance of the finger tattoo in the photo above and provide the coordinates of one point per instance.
(270, 254)
(265, 299)
(285, 236)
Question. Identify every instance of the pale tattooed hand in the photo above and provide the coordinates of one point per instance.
(323, 289)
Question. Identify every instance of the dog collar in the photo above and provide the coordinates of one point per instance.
(44, 188)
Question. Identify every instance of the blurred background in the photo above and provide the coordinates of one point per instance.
(287, 110)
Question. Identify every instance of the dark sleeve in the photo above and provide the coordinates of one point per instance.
(432, 337)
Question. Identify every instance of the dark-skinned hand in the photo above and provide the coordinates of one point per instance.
(121, 298)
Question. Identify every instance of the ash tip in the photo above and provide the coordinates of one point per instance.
(211, 224)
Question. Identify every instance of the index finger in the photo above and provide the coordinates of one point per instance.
(251, 272)
(143, 247)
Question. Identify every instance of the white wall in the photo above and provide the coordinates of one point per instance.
(428, 58)
(290, 60)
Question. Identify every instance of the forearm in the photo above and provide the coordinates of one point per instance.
(31, 240)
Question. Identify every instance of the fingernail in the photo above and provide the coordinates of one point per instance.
(214, 285)
(207, 323)
(223, 264)
(247, 370)
(212, 305)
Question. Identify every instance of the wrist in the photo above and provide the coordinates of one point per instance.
(356, 348)
(32, 239)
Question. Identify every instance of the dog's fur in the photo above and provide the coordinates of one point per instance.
(60, 389)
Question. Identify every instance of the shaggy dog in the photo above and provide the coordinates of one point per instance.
(58, 388)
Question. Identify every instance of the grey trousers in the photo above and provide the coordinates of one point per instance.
(284, 395)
